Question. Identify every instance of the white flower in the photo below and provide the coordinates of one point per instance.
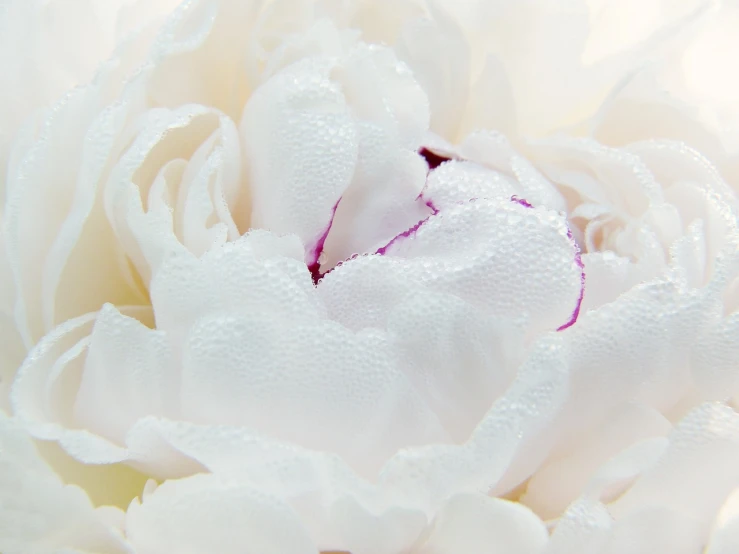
(280, 258)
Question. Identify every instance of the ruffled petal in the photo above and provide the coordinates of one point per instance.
(38, 513)
(203, 514)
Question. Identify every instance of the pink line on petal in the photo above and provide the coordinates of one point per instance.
(405, 234)
(578, 261)
(412, 231)
(429, 203)
(521, 201)
(314, 266)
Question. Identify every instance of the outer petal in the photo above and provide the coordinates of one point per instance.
(587, 526)
(659, 321)
(129, 373)
(436, 50)
(562, 479)
(320, 386)
(477, 524)
(203, 514)
(505, 448)
(362, 532)
(38, 513)
(458, 359)
(725, 535)
(706, 442)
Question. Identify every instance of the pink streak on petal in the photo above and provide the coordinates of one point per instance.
(404, 235)
(412, 231)
(578, 261)
(521, 201)
(312, 256)
(429, 203)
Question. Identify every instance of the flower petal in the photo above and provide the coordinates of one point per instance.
(301, 384)
(38, 513)
(203, 514)
(301, 148)
(559, 481)
(505, 258)
(706, 441)
(120, 384)
(477, 524)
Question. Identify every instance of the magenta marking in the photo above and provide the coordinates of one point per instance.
(429, 203)
(314, 266)
(404, 235)
(578, 261)
(521, 201)
(412, 231)
(433, 159)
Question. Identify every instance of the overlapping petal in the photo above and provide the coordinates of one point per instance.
(306, 281)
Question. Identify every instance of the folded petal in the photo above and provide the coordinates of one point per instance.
(300, 143)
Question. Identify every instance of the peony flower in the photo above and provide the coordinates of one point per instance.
(307, 276)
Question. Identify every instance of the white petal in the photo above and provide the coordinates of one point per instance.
(461, 181)
(476, 524)
(555, 485)
(391, 111)
(199, 55)
(319, 386)
(362, 532)
(141, 195)
(258, 273)
(493, 150)
(715, 360)
(54, 220)
(653, 368)
(725, 535)
(507, 259)
(505, 448)
(439, 55)
(31, 390)
(583, 529)
(38, 513)
(129, 373)
(706, 442)
(301, 146)
(459, 360)
(361, 292)
(202, 514)
(657, 529)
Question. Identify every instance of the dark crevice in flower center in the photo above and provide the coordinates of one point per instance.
(433, 159)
